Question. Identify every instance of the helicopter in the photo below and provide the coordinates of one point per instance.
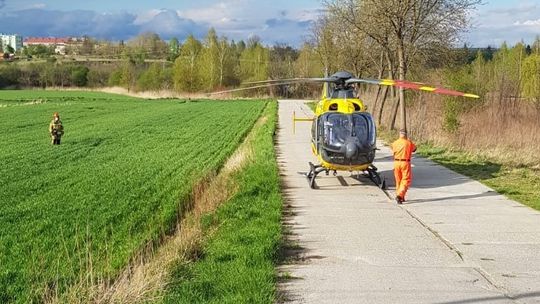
(343, 133)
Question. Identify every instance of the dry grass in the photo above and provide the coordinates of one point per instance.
(161, 94)
(147, 276)
(507, 132)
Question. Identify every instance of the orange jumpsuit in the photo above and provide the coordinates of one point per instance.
(403, 150)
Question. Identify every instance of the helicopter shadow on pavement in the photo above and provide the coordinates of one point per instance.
(514, 297)
(430, 175)
(341, 180)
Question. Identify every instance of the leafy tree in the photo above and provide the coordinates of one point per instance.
(187, 75)
(128, 75)
(240, 46)
(210, 61)
(226, 63)
(530, 74)
(254, 61)
(9, 75)
(88, 46)
(150, 45)
(98, 77)
(405, 29)
(536, 45)
(488, 53)
(308, 64)
(79, 76)
(174, 49)
(39, 51)
(528, 50)
(116, 78)
(63, 75)
(152, 79)
(9, 49)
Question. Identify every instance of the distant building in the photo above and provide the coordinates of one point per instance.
(15, 41)
(59, 44)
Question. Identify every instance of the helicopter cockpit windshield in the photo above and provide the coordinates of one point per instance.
(337, 132)
(340, 128)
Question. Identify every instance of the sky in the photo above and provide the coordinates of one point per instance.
(274, 21)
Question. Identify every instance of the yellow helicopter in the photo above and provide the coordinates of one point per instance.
(343, 133)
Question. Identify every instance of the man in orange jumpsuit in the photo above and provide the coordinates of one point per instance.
(403, 149)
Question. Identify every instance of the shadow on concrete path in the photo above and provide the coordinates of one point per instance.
(495, 298)
(453, 198)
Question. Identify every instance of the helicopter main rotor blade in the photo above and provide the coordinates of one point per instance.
(412, 86)
(293, 80)
(251, 88)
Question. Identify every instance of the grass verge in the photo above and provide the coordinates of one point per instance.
(237, 264)
(312, 105)
(521, 184)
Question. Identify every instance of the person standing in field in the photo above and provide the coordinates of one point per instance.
(56, 129)
(403, 149)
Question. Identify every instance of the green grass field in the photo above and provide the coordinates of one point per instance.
(520, 184)
(81, 210)
(237, 264)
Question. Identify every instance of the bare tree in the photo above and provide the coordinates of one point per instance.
(406, 27)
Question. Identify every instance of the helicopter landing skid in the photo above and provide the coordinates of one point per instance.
(376, 177)
(315, 170)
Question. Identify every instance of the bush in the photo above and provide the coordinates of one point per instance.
(9, 76)
(79, 76)
(116, 78)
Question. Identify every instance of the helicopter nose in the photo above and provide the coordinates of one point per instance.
(350, 150)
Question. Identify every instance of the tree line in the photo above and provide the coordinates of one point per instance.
(148, 63)
(397, 39)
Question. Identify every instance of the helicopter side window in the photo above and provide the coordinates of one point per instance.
(356, 107)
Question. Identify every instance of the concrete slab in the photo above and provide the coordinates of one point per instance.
(455, 241)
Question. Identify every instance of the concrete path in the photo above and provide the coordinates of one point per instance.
(455, 241)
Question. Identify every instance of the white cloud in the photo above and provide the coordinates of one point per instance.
(235, 19)
(528, 23)
(514, 23)
(240, 19)
(115, 26)
(148, 15)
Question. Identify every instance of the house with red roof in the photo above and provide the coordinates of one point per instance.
(59, 44)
